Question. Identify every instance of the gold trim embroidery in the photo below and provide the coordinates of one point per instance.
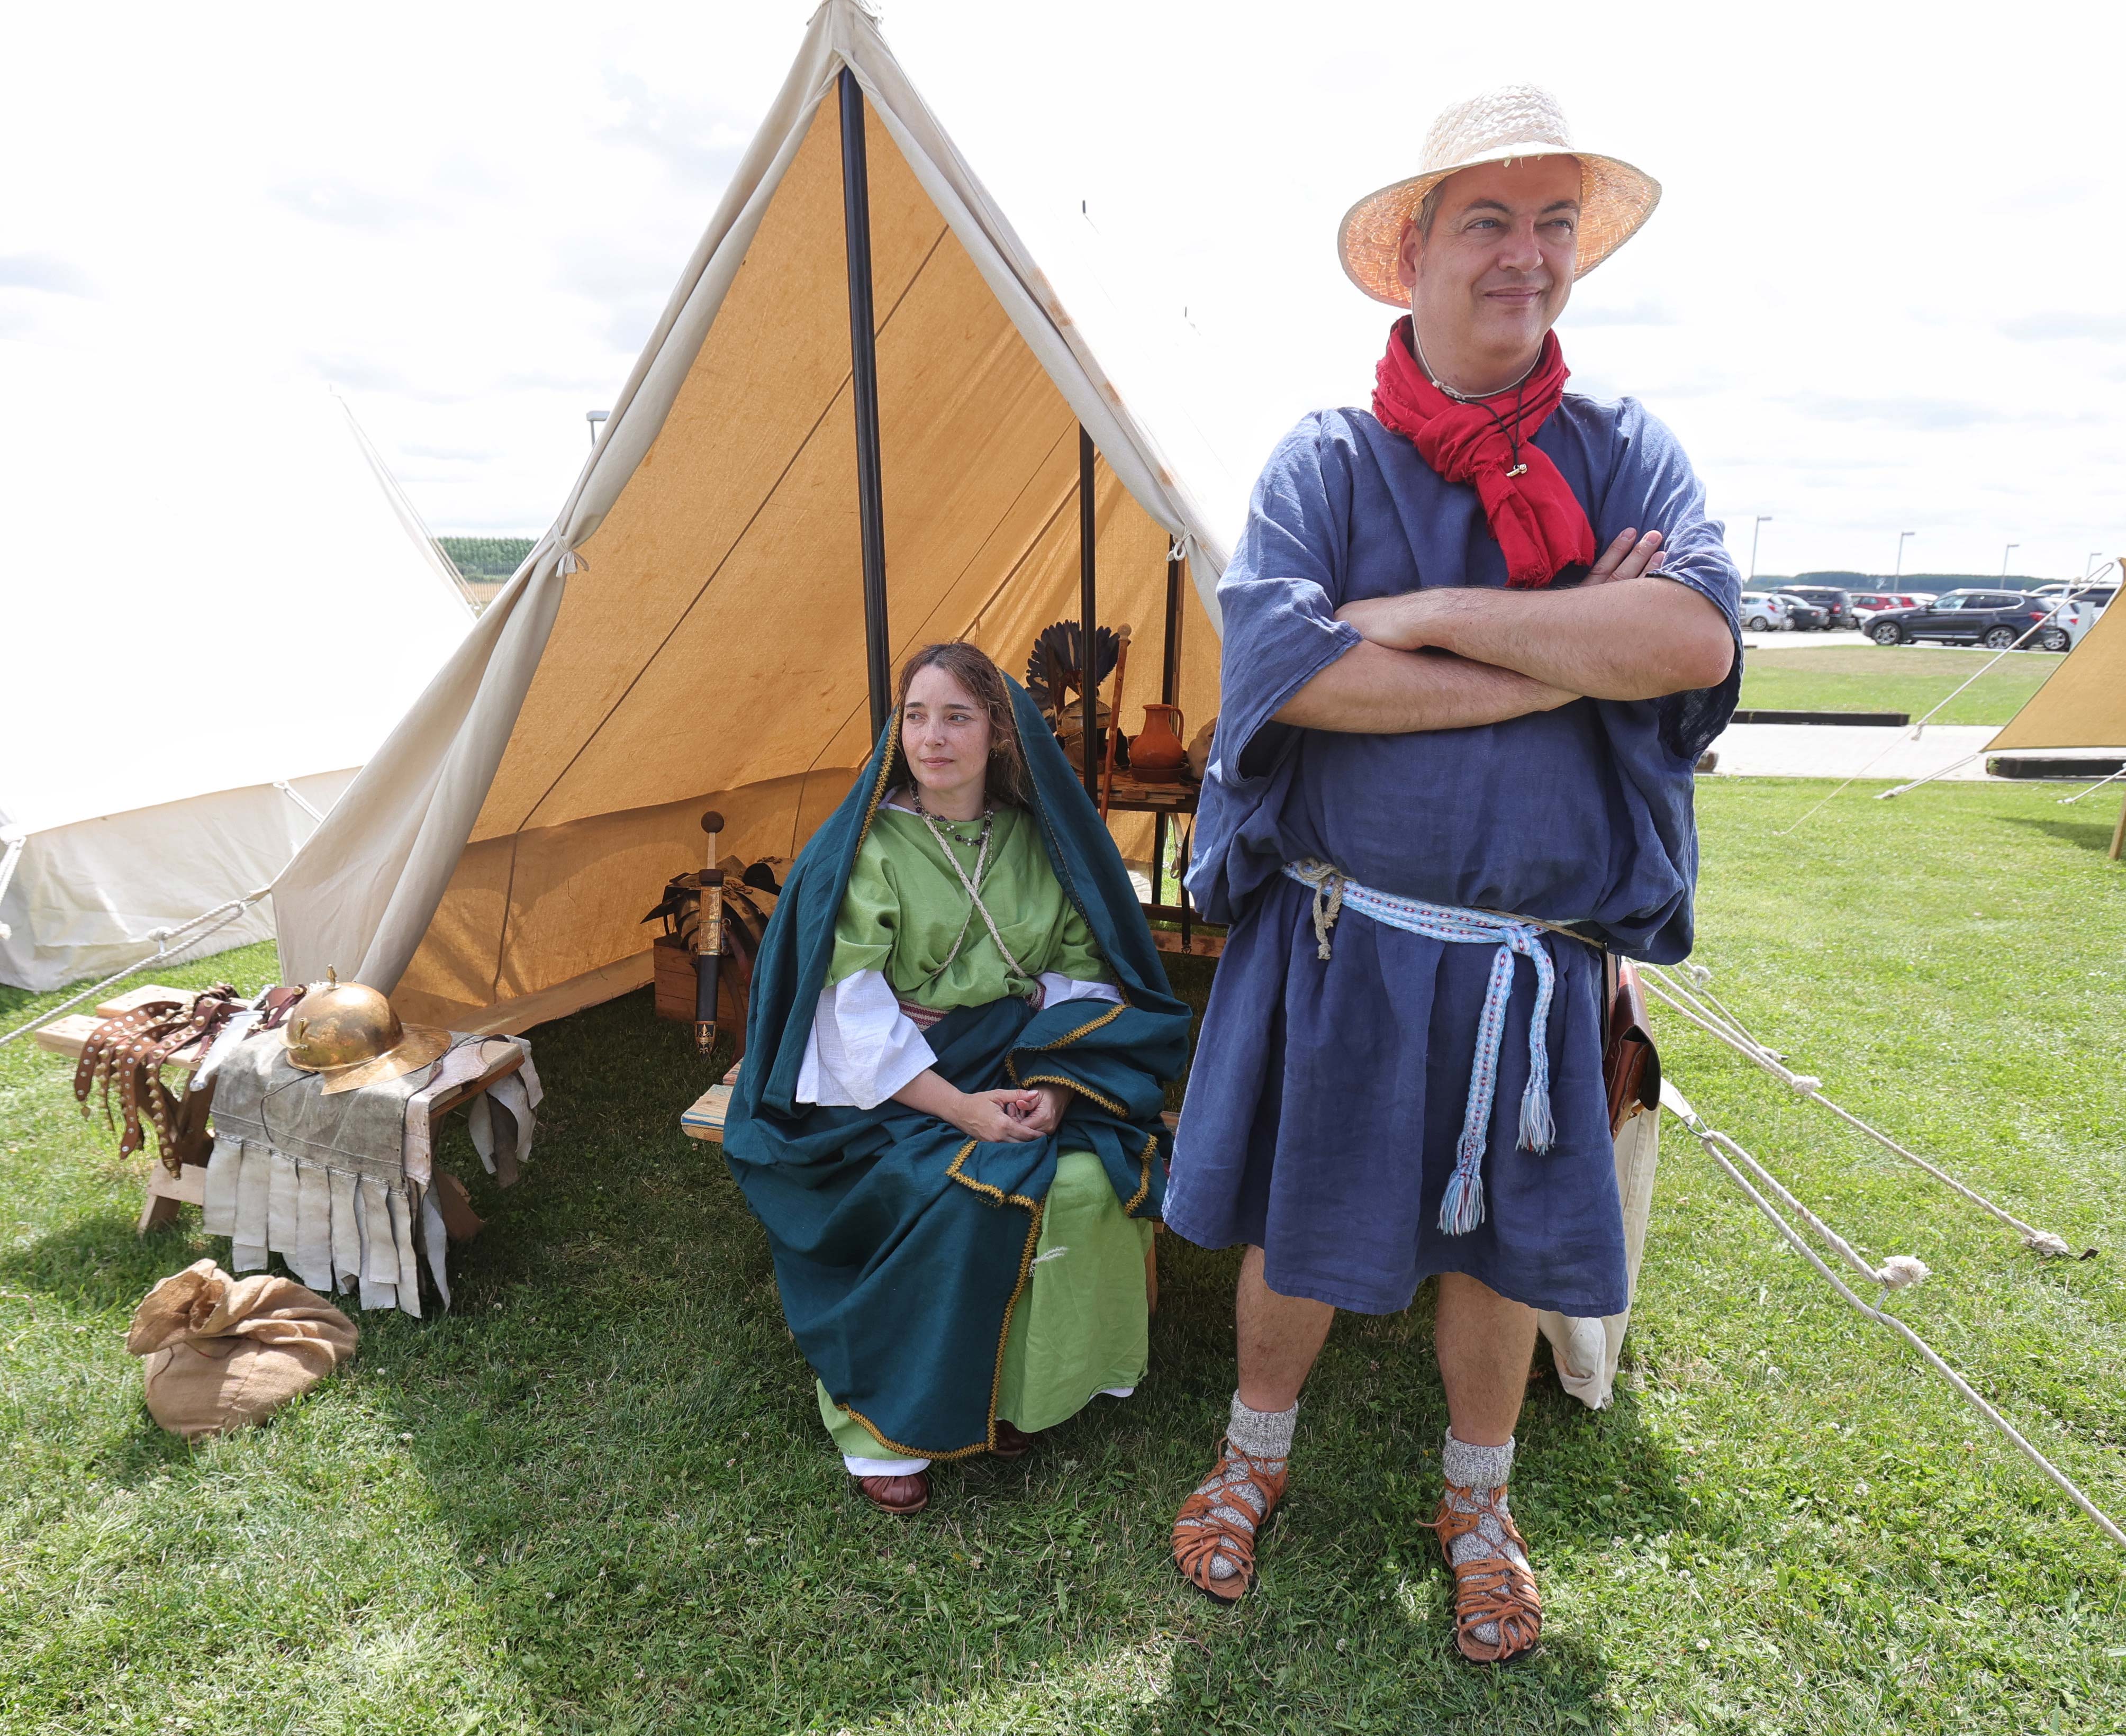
(1143, 1184)
(955, 1173)
(870, 813)
(988, 1444)
(1084, 1030)
(1118, 1110)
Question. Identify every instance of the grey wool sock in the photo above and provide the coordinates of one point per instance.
(1265, 1436)
(1262, 1434)
(1482, 1471)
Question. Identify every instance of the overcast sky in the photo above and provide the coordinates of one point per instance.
(1886, 289)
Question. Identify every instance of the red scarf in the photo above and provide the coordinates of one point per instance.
(1541, 526)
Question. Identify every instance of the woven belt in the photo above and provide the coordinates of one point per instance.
(1462, 1207)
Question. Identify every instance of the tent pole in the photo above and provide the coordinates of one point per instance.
(2118, 835)
(1170, 685)
(1089, 611)
(863, 390)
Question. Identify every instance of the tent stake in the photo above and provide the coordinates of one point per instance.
(863, 390)
(1088, 609)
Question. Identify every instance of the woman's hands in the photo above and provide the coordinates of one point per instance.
(995, 1118)
(1050, 1102)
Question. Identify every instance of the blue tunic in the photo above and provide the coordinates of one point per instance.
(1325, 1099)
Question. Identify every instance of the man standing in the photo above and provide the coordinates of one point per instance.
(1474, 643)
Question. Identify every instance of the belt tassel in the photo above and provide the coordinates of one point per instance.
(1462, 1207)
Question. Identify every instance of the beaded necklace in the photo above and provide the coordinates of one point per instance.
(971, 884)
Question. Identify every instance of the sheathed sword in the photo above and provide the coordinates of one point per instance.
(708, 939)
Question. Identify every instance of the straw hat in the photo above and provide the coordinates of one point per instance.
(1503, 125)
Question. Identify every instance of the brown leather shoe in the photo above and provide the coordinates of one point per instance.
(1011, 1442)
(900, 1496)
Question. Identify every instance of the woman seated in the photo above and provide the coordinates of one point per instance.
(949, 1116)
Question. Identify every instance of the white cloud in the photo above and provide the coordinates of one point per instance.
(1876, 295)
(42, 272)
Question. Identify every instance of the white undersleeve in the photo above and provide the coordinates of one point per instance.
(863, 1048)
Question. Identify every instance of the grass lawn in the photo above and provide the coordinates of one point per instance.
(596, 1497)
(1907, 678)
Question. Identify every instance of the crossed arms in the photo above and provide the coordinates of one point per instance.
(1448, 658)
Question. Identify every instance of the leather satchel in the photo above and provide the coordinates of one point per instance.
(1631, 1065)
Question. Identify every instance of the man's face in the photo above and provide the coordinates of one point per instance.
(1495, 273)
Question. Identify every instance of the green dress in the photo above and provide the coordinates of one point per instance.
(1079, 1329)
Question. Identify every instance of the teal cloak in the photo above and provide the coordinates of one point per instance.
(901, 1245)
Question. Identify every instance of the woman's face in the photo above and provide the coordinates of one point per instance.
(945, 733)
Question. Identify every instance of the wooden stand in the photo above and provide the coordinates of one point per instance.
(166, 1192)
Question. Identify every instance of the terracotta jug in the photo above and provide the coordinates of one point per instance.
(1158, 753)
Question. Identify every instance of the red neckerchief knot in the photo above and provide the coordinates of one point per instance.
(1541, 526)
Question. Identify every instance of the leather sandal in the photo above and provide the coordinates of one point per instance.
(899, 1496)
(1011, 1442)
(1215, 1532)
(1494, 1591)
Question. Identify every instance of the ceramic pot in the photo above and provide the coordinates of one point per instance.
(1157, 754)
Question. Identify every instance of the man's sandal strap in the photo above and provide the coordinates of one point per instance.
(1215, 1531)
(1493, 1591)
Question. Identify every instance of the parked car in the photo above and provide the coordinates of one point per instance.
(1836, 605)
(1995, 619)
(1873, 603)
(1763, 612)
(2071, 618)
(2096, 596)
(1802, 616)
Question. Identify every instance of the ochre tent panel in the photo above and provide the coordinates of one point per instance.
(768, 385)
(768, 664)
(2083, 702)
(710, 653)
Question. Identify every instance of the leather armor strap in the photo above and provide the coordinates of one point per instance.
(131, 1051)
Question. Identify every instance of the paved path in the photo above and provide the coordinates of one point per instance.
(1849, 750)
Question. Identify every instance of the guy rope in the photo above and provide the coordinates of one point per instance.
(169, 943)
(1724, 1151)
(1701, 1008)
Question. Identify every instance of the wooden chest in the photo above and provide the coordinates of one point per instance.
(672, 985)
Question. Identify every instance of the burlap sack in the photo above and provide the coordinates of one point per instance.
(225, 1352)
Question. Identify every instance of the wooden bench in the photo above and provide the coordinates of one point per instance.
(69, 1036)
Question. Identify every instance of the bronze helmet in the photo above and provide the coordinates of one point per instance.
(348, 1033)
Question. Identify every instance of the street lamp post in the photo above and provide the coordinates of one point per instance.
(1901, 537)
(2005, 554)
(594, 417)
(1763, 519)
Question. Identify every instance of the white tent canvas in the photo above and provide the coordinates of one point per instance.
(210, 593)
(691, 631)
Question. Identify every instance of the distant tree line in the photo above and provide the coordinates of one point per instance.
(486, 557)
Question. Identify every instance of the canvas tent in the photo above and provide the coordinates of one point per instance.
(2082, 704)
(692, 630)
(214, 612)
